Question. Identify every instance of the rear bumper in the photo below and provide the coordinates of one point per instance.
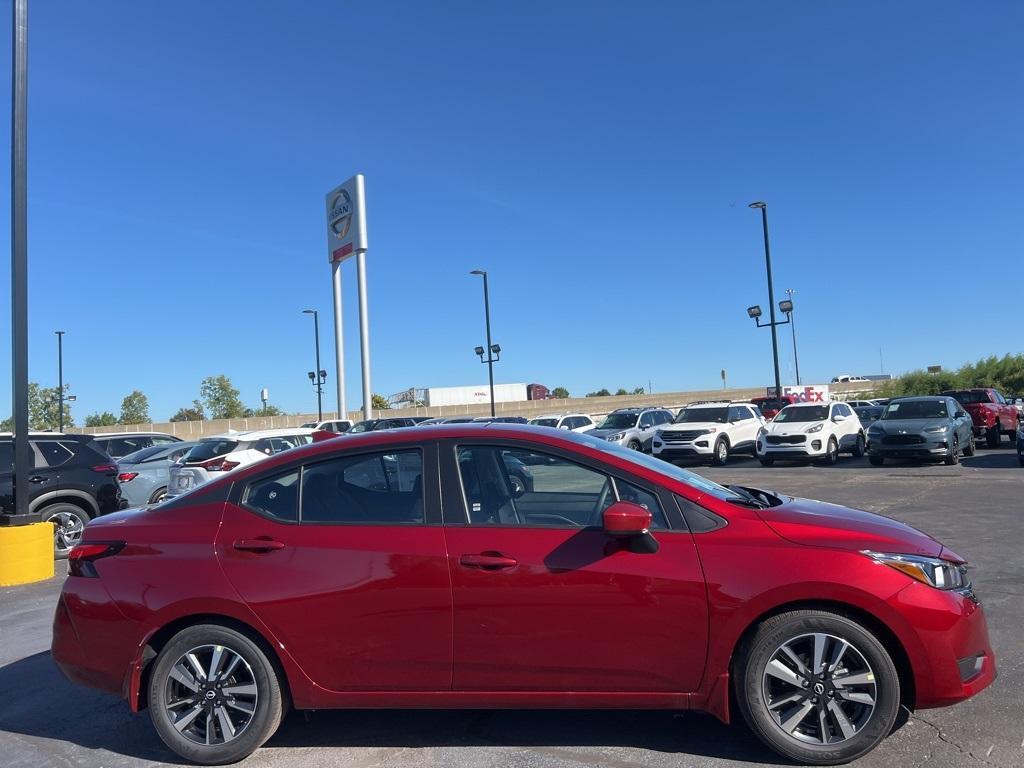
(949, 650)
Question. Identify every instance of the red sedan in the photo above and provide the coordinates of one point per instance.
(406, 569)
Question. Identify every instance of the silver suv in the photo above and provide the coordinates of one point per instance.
(632, 427)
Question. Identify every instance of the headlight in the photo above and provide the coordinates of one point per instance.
(616, 437)
(940, 574)
(815, 428)
(936, 429)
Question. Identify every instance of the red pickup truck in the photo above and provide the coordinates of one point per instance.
(991, 414)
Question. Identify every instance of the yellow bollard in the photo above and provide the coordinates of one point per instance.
(26, 553)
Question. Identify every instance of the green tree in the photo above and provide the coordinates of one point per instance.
(379, 402)
(43, 408)
(620, 391)
(270, 410)
(1003, 373)
(105, 419)
(637, 391)
(220, 398)
(135, 408)
(560, 392)
(195, 413)
(599, 393)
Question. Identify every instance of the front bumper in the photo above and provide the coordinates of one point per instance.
(702, 446)
(814, 447)
(932, 449)
(947, 644)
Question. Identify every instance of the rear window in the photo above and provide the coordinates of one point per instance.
(209, 449)
(545, 422)
(142, 455)
(969, 398)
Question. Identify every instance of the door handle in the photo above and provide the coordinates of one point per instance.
(37, 479)
(488, 561)
(257, 545)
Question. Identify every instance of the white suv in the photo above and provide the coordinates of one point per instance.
(811, 431)
(221, 453)
(574, 422)
(339, 426)
(709, 430)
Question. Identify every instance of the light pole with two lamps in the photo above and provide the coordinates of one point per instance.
(319, 376)
(754, 312)
(493, 350)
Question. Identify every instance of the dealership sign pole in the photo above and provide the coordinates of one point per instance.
(346, 236)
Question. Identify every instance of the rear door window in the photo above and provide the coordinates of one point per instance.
(376, 488)
(276, 497)
(210, 449)
(49, 453)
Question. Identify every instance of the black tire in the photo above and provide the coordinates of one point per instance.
(860, 448)
(953, 457)
(766, 461)
(970, 449)
(634, 445)
(868, 724)
(158, 495)
(720, 454)
(992, 436)
(69, 521)
(831, 456)
(267, 710)
(876, 461)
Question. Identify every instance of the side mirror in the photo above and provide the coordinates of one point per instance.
(564, 426)
(838, 417)
(624, 519)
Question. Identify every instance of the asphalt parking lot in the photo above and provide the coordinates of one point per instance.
(976, 508)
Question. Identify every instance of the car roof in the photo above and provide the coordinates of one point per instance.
(556, 416)
(38, 434)
(101, 435)
(259, 434)
(919, 398)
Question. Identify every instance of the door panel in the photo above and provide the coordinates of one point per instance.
(359, 607)
(578, 611)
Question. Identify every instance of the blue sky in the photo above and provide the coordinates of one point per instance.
(596, 158)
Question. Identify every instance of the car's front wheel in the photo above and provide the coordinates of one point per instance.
(831, 453)
(68, 523)
(861, 446)
(721, 453)
(953, 457)
(817, 687)
(634, 445)
(214, 696)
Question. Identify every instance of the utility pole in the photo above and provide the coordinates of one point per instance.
(60, 380)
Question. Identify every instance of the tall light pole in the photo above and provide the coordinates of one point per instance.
(60, 380)
(771, 294)
(319, 375)
(492, 349)
(789, 314)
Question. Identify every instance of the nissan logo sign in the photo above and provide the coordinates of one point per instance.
(340, 217)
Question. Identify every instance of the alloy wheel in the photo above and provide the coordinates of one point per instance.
(67, 531)
(819, 689)
(210, 695)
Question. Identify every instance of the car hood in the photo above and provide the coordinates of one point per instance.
(819, 524)
(907, 426)
(686, 426)
(789, 427)
(605, 432)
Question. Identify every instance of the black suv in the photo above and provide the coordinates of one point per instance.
(72, 480)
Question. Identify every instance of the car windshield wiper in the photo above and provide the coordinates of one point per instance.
(746, 497)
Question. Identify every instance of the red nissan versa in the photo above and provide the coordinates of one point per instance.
(405, 569)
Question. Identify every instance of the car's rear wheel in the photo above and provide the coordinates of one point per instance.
(721, 452)
(158, 495)
(953, 457)
(859, 448)
(817, 687)
(214, 696)
(970, 449)
(992, 436)
(766, 461)
(68, 523)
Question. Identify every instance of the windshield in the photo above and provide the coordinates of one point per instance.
(309, 425)
(142, 454)
(662, 467)
(970, 398)
(545, 422)
(363, 426)
(619, 421)
(691, 415)
(803, 413)
(916, 409)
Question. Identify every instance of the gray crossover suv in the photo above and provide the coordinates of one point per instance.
(632, 427)
(921, 428)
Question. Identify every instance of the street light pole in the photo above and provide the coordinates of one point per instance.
(319, 382)
(60, 380)
(487, 320)
(771, 293)
(796, 358)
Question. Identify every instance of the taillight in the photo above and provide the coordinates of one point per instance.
(106, 469)
(82, 557)
(219, 464)
(126, 477)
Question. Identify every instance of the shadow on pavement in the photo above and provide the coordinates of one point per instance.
(39, 702)
(1001, 459)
